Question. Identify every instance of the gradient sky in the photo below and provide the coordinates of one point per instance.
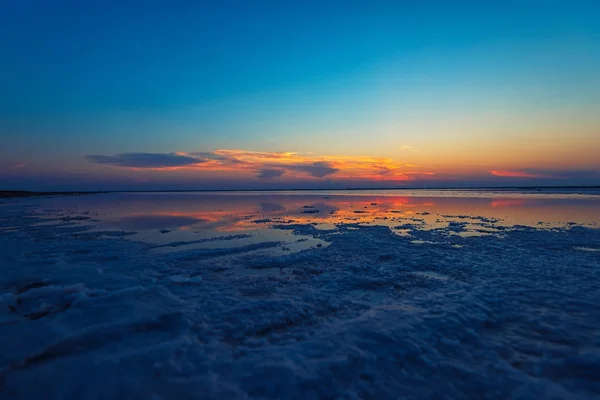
(284, 94)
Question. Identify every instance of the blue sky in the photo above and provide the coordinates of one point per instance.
(455, 82)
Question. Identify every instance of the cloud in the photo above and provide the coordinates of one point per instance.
(318, 169)
(264, 165)
(407, 148)
(146, 160)
(211, 155)
(551, 174)
(516, 174)
(269, 173)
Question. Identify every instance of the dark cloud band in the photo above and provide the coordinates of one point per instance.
(270, 173)
(271, 170)
(146, 160)
(318, 169)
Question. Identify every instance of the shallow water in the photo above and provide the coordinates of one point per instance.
(182, 221)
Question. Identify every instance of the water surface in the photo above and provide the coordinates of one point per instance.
(189, 220)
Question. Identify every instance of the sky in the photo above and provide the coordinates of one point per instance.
(111, 95)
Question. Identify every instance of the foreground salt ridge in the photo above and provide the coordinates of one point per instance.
(371, 315)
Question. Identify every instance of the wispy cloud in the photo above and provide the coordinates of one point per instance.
(516, 174)
(407, 148)
(557, 176)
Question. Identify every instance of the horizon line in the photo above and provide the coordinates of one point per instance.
(5, 193)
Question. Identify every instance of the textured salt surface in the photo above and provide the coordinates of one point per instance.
(371, 314)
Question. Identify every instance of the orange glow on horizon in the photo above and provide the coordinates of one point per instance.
(289, 167)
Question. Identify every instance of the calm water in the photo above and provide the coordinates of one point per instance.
(182, 221)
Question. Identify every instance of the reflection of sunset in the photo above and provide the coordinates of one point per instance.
(246, 213)
(243, 215)
(508, 202)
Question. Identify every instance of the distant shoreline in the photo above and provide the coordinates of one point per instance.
(7, 194)
(4, 194)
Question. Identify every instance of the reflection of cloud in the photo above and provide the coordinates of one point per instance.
(507, 203)
(146, 160)
(239, 213)
(156, 221)
(267, 207)
(269, 173)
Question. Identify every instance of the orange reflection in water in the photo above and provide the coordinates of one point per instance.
(248, 213)
(234, 213)
(508, 202)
